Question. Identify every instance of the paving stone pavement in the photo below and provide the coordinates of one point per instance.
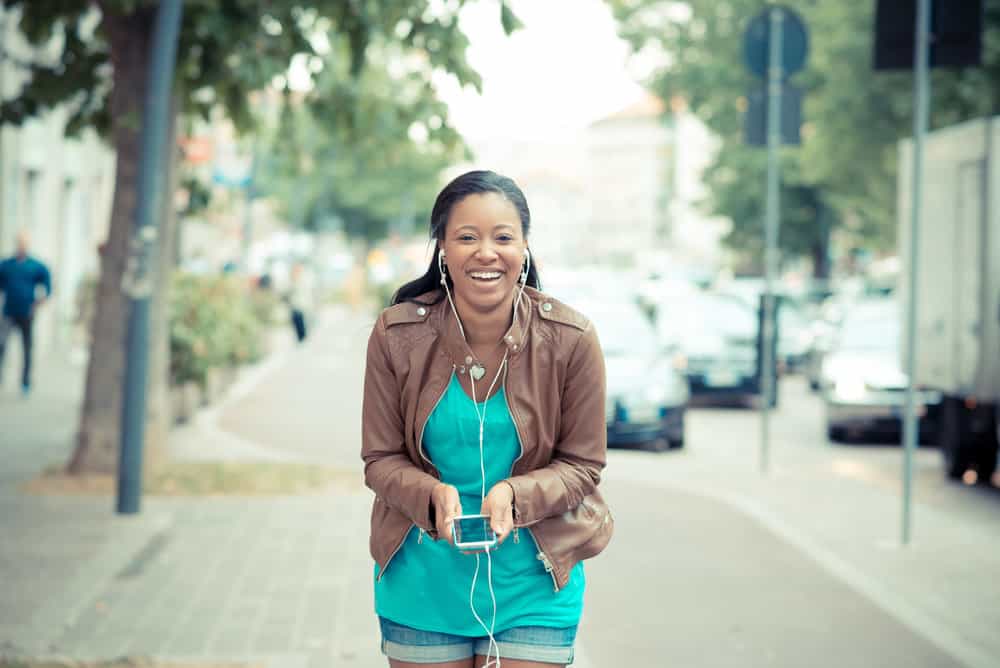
(240, 579)
(278, 581)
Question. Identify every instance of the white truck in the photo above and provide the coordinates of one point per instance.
(957, 288)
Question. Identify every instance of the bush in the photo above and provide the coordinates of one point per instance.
(215, 321)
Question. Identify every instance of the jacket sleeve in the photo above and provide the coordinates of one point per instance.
(389, 471)
(581, 448)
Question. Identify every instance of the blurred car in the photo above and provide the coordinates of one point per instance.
(863, 384)
(713, 341)
(795, 337)
(646, 396)
(822, 338)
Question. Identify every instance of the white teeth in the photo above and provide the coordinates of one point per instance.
(486, 275)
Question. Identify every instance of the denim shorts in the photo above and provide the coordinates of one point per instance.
(524, 643)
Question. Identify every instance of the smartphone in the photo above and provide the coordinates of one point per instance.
(473, 532)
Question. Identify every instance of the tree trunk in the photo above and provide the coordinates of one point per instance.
(821, 248)
(129, 38)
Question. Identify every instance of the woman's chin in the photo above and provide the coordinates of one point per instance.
(486, 296)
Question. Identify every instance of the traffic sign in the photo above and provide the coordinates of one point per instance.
(794, 42)
(755, 119)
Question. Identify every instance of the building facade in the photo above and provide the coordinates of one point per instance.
(57, 189)
(647, 188)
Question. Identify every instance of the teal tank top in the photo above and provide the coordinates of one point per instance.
(426, 584)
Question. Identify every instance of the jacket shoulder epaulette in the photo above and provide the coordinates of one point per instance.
(405, 313)
(556, 311)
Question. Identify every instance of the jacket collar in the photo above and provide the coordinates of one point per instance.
(444, 321)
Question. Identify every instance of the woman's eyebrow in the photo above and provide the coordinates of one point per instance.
(474, 228)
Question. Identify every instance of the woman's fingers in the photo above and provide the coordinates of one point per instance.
(498, 509)
(446, 508)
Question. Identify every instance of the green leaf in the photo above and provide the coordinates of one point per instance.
(509, 19)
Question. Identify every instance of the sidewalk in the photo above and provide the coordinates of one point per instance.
(287, 581)
(268, 580)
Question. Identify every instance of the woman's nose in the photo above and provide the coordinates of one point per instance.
(486, 251)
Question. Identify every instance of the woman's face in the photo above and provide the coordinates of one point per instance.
(484, 250)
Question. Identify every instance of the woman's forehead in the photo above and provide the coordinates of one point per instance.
(484, 210)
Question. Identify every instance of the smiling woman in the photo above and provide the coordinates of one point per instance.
(523, 448)
(474, 199)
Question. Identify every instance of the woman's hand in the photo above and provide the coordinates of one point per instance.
(447, 507)
(499, 507)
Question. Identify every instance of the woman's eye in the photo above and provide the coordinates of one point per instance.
(506, 238)
(466, 237)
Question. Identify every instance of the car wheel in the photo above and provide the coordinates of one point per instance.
(838, 434)
(986, 452)
(677, 444)
(954, 440)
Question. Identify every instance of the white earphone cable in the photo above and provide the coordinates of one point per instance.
(481, 415)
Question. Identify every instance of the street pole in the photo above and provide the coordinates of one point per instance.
(137, 282)
(921, 85)
(774, 77)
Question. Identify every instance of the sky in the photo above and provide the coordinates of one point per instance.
(563, 70)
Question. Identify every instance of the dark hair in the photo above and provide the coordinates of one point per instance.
(470, 183)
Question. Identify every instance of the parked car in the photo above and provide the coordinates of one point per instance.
(646, 396)
(713, 341)
(794, 333)
(822, 336)
(795, 337)
(863, 385)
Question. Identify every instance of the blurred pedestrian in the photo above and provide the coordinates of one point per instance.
(20, 278)
(299, 298)
(438, 443)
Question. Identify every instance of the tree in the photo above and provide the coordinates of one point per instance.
(227, 49)
(367, 162)
(844, 174)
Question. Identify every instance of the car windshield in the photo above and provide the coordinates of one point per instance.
(623, 330)
(708, 313)
(871, 327)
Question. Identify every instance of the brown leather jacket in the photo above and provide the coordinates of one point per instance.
(554, 385)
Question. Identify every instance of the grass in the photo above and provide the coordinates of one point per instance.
(209, 478)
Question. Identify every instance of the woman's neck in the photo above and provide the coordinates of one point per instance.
(485, 327)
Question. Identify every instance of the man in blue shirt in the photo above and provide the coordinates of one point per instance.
(20, 277)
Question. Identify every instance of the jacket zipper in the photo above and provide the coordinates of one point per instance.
(381, 571)
(420, 449)
(544, 558)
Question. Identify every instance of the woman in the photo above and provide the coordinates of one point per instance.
(482, 395)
